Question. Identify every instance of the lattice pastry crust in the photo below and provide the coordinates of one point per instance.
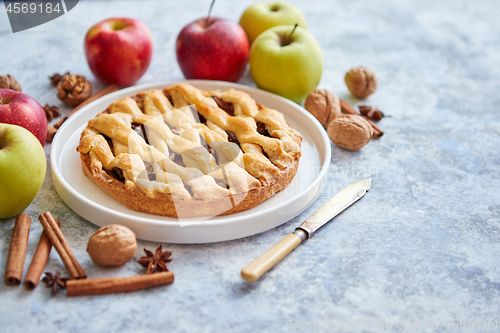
(184, 152)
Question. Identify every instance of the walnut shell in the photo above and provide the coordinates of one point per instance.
(73, 89)
(350, 131)
(324, 105)
(9, 82)
(112, 245)
(361, 81)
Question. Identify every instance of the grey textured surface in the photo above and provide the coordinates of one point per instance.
(422, 246)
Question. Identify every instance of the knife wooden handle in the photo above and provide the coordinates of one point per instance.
(264, 263)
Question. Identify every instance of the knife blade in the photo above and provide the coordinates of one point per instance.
(333, 207)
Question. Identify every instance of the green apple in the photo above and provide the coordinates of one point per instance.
(264, 15)
(286, 62)
(22, 169)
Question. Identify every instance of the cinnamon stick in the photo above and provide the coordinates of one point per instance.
(99, 94)
(54, 224)
(38, 262)
(17, 250)
(117, 285)
(59, 242)
(51, 131)
(346, 108)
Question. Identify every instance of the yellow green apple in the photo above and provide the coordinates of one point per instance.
(263, 15)
(287, 61)
(22, 169)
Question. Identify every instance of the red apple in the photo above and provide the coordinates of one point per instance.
(20, 109)
(213, 49)
(119, 50)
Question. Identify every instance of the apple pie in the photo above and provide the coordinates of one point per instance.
(184, 152)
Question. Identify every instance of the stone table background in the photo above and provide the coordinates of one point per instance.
(422, 246)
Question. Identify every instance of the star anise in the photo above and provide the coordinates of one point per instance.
(155, 262)
(54, 79)
(54, 281)
(51, 112)
(370, 112)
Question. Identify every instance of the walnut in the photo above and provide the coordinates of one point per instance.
(9, 82)
(72, 89)
(324, 105)
(112, 245)
(361, 81)
(349, 131)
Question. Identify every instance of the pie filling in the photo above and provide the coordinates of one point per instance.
(192, 148)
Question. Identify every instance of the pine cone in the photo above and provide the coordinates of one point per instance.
(9, 82)
(73, 89)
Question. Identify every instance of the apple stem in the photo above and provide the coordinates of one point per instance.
(289, 38)
(209, 11)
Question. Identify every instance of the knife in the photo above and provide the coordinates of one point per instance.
(337, 204)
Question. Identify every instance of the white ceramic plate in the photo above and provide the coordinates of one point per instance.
(93, 204)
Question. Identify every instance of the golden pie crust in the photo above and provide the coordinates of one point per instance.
(184, 152)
